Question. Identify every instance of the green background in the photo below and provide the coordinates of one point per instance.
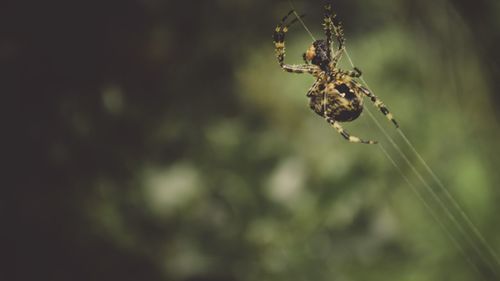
(159, 140)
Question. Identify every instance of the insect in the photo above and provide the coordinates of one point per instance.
(335, 95)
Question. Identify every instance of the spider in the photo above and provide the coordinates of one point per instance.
(335, 95)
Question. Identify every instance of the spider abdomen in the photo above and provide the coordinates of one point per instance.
(339, 100)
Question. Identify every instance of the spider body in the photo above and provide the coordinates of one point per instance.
(341, 100)
(335, 95)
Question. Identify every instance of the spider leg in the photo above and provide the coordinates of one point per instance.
(279, 45)
(313, 89)
(336, 125)
(331, 29)
(353, 73)
(380, 105)
(336, 58)
(299, 68)
(328, 27)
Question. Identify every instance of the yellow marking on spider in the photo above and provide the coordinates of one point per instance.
(310, 53)
(346, 79)
(345, 103)
(280, 45)
(330, 88)
(354, 139)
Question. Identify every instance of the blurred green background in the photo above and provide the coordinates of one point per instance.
(159, 140)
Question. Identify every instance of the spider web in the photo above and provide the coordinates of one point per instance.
(447, 203)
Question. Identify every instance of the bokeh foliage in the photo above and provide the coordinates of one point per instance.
(159, 140)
